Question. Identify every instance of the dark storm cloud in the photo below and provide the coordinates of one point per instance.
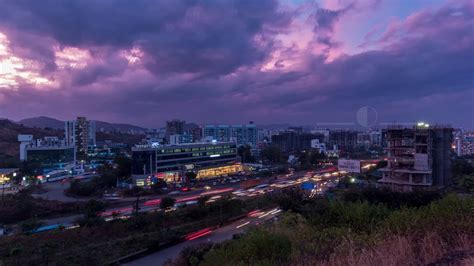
(204, 37)
(202, 62)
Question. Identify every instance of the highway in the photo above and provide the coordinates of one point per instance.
(151, 203)
(324, 180)
(215, 236)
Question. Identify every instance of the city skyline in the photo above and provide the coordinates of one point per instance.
(296, 62)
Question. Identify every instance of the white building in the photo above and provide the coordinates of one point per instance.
(80, 133)
(321, 147)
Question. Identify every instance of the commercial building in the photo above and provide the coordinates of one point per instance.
(343, 139)
(80, 133)
(418, 157)
(171, 162)
(293, 141)
(51, 152)
(241, 134)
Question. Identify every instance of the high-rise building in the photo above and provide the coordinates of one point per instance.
(175, 127)
(245, 134)
(292, 141)
(343, 139)
(418, 157)
(194, 131)
(80, 133)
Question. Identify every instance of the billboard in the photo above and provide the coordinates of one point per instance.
(352, 166)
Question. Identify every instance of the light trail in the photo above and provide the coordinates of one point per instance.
(242, 225)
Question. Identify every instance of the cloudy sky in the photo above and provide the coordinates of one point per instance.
(270, 61)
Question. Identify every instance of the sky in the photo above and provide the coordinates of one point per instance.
(231, 61)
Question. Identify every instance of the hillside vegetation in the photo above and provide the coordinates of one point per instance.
(346, 232)
(9, 145)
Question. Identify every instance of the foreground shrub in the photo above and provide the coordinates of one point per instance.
(257, 247)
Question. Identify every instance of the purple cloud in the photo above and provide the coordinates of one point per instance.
(144, 62)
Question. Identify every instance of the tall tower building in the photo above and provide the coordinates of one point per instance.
(175, 127)
(418, 158)
(80, 133)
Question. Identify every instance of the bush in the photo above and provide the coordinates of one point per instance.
(167, 202)
(30, 225)
(390, 198)
(82, 189)
(257, 247)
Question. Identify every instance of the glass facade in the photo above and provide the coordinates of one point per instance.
(50, 156)
(181, 158)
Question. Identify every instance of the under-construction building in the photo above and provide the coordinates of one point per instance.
(418, 157)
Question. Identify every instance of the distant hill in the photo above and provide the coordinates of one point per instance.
(9, 145)
(42, 122)
(48, 122)
(123, 128)
(9, 131)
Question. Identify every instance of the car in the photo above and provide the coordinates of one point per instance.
(170, 209)
(207, 187)
(174, 192)
(185, 189)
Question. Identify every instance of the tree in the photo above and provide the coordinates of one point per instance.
(107, 178)
(83, 189)
(30, 168)
(465, 183)
(92, 208)
(167, 202)
(461, 166)
(158, 185)
(202, 201)
(273, 154)
(124, 167)
(245, 153)
(317, 157)
(30, 225)
(191, 176)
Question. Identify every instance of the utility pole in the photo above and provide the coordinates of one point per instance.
(136, 204)
(3, 192)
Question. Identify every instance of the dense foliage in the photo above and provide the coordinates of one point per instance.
(322, 231)
(22, 206)
(97, 242)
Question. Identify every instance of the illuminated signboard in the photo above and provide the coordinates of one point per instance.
(352, 166)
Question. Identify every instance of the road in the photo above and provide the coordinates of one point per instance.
(151, 203)
(216, 236)
(226, 232)
(55, 191)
